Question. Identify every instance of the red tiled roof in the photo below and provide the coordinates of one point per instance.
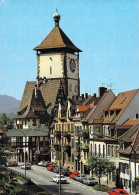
(82, 108)
(131, 122)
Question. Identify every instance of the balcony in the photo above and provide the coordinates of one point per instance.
(67, 135)
(67, 149)
(58, 134)
(84, 134)
(56, 146)
(84, 147)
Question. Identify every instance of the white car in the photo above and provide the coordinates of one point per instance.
(57, 178)
(28, 166)
(40, 163)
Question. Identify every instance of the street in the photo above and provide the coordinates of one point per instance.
(42, 177)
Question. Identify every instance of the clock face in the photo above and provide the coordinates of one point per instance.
(72, 65)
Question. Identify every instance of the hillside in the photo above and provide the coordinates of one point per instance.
(8, 104)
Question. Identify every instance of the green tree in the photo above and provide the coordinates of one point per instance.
(5, 120)
(100, 166)
(4, 149)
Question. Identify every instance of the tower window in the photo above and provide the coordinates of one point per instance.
(50, 70)
(75, 88)
(70, 87)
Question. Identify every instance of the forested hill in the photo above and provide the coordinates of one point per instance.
(8, 104)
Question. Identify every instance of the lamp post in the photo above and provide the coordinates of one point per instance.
(59, 166)
(25, 135)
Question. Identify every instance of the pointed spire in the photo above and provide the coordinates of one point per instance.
(56, 17)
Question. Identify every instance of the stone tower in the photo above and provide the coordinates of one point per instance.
(58, 59)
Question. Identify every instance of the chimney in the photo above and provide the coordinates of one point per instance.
(136, 116)
(72, 97)
(86, 96)
(82, 97)
(101, 91)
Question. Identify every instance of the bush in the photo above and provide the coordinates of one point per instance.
(102, 188)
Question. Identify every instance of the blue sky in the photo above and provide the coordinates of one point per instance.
(107, 31)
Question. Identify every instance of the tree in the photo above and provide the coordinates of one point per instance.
(5, 121)
(100, 166)
(4, 149)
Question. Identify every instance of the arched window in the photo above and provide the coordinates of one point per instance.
(99, 149)
(50, 70)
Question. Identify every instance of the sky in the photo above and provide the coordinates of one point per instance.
(107, 31)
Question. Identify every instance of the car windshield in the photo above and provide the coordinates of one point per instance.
(90, 178)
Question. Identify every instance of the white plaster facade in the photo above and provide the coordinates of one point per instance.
(51, 65)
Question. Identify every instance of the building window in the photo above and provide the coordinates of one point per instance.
(75, 88)
(99, 148)
(34, 122)
(72, 143)
(103, 151)
(91, 149)
(112, 150)
(109, 150)
(95, 149)
(72, 157)
(72, 127)
(50, 70)
(68, 127)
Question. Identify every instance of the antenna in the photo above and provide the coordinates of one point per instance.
(103, 84)
(110, 85)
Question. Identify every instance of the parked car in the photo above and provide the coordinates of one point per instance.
(74, 174)
(40, 163)
(56, 170)
(89, 181)
(57, 179)
(117, 191)
(12, 163)
(46, 163)
(79, 177)
(67, 172)
(28, 166)
(50, 167)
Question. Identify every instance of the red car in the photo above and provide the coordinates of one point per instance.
(12, 163)
(51, 167)
(118, 191)
(74, 174)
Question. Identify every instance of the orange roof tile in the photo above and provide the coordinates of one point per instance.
(131, 122)
(82, 108)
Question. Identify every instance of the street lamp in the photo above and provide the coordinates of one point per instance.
(59, 166)
(25, 135)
